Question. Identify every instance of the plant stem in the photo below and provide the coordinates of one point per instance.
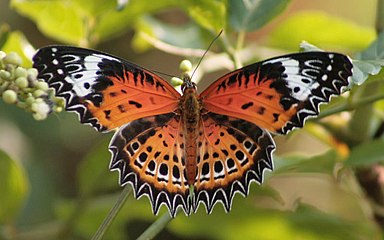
(113, 213)
(351, 106)
(238, 48)
(228, 48)
(156, 227)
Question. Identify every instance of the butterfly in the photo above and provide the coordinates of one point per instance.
(181, 150)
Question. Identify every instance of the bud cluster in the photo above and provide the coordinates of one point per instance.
(20, 86)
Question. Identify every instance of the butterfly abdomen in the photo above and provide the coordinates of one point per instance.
(190, 108)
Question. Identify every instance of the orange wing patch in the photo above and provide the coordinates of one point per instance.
(149, 155)
(280, 93)
(232, 154)
(104, 90)
(259, 104)
(132, 97)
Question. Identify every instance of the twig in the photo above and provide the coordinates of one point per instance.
(156, 227)
(113, 213)
(351, 106)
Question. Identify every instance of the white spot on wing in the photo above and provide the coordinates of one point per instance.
(295, 80)
(89, 73)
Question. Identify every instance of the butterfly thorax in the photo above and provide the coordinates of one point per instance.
(190, 112)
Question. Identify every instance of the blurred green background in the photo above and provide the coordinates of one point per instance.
(54, 177)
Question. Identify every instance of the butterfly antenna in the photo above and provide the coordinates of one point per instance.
(201, 59)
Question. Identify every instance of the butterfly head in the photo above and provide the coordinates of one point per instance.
(187, 83)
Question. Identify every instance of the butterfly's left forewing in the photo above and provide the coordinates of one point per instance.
(280, 93)
(104, 90)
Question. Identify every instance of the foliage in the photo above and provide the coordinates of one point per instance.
(308, 196)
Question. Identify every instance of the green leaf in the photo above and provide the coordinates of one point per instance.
(250, 15)
(59, 20)
(113, 22)
(247, 222)
(85, 23)
(320, 29)
(375, 51)
(17, 42)
(366, 153)
(211, 15)
(93, 174)
(13, 187)
(4, 32)
(95, 7)
(97, 208)
(362, 69)
(370, 61)
(323, 163)
(183, 36)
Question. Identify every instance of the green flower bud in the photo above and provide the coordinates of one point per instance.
(29, 100)
(2, 55)
(39, 117)
(185, 66)
(21, 82)
(40, 109)
(9, 96)
(13, 58)
(42, 86)
(21, 72)
(175, 81)
(57, 109)
(5, 74)
(32, 73)
(38, 93)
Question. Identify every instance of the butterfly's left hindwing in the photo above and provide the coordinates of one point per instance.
(104, 90)
(149, 155)
(280, 93)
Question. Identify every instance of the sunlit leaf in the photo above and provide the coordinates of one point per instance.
(16, 42)
(329, 32)
(254, 223)
(83, 22)
(94, 7)
(57, 19)
(367, 153)
(249, 15)
(13, 188)
(112, 22)
(211, 15)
